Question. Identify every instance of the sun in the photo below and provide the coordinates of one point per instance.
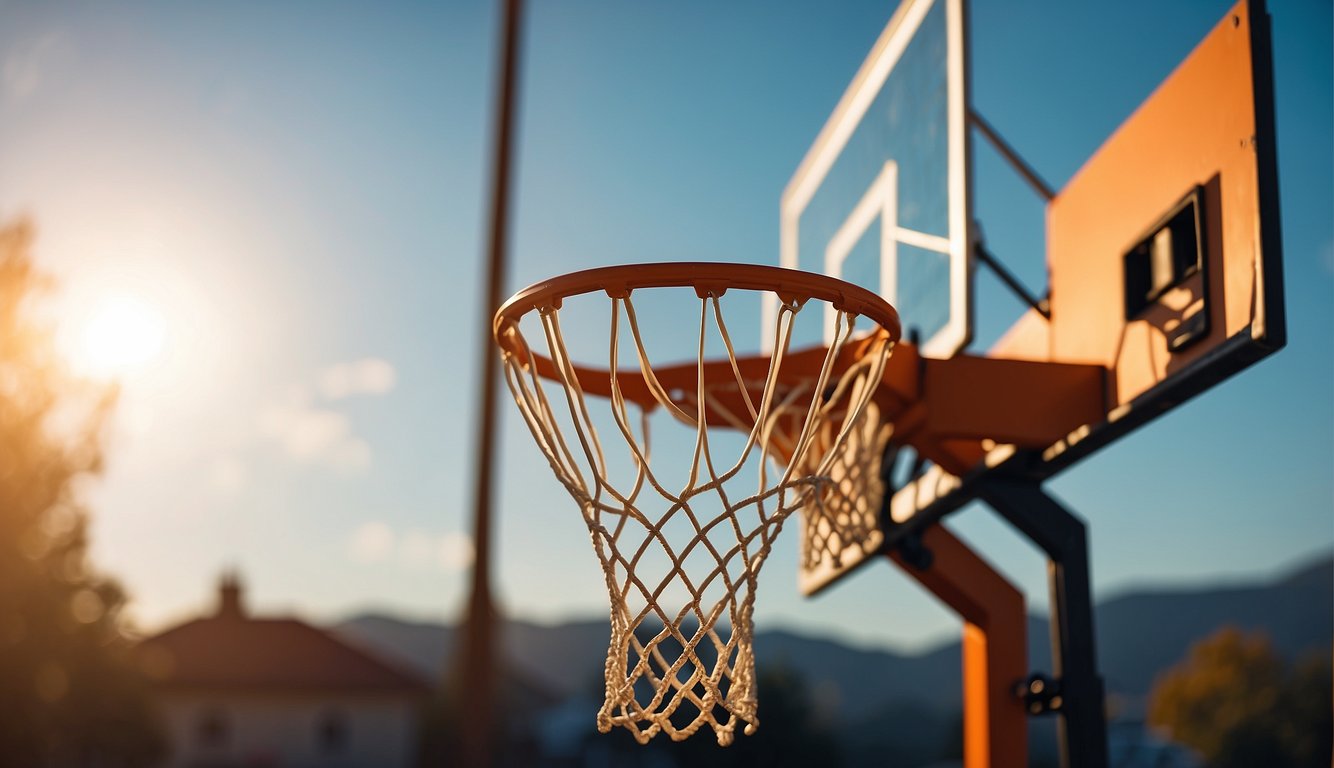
(119, 335)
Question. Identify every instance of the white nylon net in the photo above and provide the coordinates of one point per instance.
(843, 523)
(680, 560)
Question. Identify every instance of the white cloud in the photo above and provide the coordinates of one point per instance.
(28, 63)
(352, 454)
(415, 549)
(322, 434)
(368, 376)
(371, 543)
(228, 475)
(456, 551)
(305, 432)
(311, 434)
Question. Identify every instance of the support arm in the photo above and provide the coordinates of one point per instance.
(1061, 535)
(995, 645)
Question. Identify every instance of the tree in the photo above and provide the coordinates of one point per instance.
(69, 692)
(1236, 701)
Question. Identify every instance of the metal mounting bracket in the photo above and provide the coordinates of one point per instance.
(1041, 694)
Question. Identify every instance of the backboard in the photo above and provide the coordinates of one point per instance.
(1163, 249)
(881, 199)
(1164, 261)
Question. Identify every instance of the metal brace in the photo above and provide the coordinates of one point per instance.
(914, 552)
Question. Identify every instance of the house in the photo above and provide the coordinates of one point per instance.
(239, 690)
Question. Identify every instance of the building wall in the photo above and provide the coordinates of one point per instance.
(288, 731)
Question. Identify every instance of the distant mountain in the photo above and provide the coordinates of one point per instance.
(569, 658)
(421, 647)
(565, 658)
(861, 680)
(1139, 635)
(1142, 633)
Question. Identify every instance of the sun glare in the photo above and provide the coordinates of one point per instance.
(119, 335)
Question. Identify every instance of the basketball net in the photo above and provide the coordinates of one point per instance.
(677, 668)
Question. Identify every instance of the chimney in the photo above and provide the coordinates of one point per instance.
(229, 597)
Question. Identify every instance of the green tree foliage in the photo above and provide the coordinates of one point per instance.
(1236, 701)
(69, 694)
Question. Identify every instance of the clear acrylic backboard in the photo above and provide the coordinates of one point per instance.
(881, 199)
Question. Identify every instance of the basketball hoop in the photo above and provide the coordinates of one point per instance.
(669, 668)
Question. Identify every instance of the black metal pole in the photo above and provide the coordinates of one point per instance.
(1041, 306)
(477, 673)
(1012, 157)
(1059, 533)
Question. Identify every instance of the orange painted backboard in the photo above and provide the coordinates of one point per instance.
(1203, 141)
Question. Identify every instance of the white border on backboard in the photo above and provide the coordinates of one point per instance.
(880, 201)
(957, 332)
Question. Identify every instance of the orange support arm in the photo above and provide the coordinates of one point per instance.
(995, 647)
(947, 408)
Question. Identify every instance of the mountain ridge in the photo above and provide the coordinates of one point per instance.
(1140, 633)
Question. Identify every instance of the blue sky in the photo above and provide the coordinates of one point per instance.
(296, 189)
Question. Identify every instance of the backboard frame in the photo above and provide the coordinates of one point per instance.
(878, 202)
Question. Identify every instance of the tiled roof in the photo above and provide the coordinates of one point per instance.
(238, 652)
